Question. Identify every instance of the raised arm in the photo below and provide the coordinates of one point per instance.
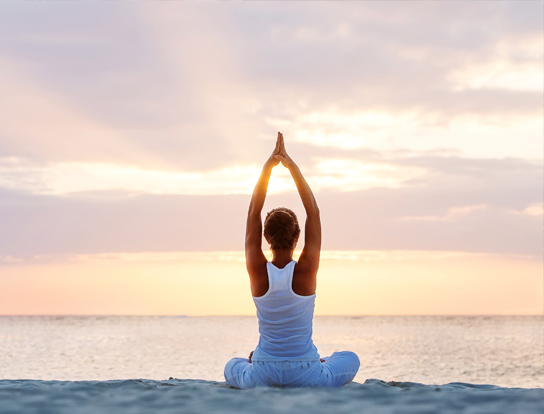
(255, 258)
(308, 263)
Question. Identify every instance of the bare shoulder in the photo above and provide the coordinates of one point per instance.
(258, 276)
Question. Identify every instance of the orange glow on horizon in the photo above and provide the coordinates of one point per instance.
(216, 283)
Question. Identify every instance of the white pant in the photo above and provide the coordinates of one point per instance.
(337, 370)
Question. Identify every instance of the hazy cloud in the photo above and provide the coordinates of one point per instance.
(459, 207)
(418, 123)
(198, 86)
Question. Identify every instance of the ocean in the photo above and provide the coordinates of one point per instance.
(87, 364)
(502, 350)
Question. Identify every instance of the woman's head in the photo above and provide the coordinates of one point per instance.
(281, 228)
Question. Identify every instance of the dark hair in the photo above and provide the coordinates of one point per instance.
(281, 228)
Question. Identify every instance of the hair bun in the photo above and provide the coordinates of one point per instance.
(281, 228)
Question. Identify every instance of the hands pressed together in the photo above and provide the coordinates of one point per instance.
(280, 155)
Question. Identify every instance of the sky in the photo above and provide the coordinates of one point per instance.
(132, 135)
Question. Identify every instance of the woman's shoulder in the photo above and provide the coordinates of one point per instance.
(258, 277)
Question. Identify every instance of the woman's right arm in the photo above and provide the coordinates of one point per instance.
(255, 258)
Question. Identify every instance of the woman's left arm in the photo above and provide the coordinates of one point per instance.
(308, 262)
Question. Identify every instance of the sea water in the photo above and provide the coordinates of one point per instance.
(506, 351)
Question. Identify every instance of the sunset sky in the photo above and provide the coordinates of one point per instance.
(132, 134)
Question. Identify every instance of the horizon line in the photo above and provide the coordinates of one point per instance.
(251, 316)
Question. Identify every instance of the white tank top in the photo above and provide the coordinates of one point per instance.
(285, 320)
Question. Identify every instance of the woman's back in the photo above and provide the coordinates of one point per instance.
(285, 320)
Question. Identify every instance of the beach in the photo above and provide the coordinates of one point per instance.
(197, 396)
(142, 364)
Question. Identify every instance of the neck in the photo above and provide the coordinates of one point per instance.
(281, 257)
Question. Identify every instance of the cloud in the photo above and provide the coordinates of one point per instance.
(238, 256)
(127, 127)
(534, 209)
(66, 178)
(454, 213)
(345, 174)
(202, 86)
(440, 207)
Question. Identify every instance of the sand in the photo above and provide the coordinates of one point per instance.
(199, 396)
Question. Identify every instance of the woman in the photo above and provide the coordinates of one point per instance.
(284, 294)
